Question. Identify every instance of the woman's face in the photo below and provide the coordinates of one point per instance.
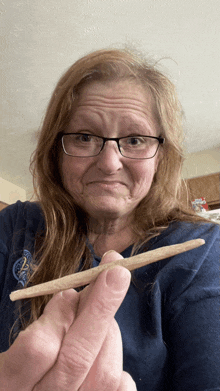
(110, 186)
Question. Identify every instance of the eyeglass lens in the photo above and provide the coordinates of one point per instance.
(86, 145)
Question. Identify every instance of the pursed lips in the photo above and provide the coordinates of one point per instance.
(116, 185)
(105, 182)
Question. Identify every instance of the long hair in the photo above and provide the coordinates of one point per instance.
(62, 248)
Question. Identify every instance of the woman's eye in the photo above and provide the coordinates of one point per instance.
(83, 137)
(135, 140)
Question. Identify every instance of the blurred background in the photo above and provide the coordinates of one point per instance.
(40, 39)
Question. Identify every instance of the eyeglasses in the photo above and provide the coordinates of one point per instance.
(132, 147)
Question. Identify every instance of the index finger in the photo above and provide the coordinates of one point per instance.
(85, 337)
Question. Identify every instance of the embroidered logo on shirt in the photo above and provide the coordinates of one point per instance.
(22, 268)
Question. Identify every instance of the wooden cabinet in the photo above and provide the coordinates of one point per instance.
(206, 186)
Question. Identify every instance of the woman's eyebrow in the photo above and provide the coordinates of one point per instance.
(126, 123)
(140, 128)
(82, 121)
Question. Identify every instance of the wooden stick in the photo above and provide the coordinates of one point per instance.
(85, 277)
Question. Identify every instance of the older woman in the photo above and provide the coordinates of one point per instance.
(107, 176)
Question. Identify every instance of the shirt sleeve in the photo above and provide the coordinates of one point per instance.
(5, 237)
(3, 259)
(192, 319)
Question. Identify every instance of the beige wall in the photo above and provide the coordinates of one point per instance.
(201, 163)
(10, 193)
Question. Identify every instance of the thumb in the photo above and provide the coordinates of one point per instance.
(110, 256)
(116, 275)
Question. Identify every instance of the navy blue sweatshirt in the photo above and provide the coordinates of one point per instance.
(169, 319)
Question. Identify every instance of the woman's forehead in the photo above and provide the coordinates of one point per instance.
(116, 89)
(123, 95)
(124, 103)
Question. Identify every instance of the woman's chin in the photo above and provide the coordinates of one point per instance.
(106, 207)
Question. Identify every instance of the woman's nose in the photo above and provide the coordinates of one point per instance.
(110, 159)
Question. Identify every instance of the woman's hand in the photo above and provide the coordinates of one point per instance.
(76, 344)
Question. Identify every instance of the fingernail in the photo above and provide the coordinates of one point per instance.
(108, 252)
(70, 295)
(118, 278)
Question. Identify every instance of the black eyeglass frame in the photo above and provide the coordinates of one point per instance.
(161, 140)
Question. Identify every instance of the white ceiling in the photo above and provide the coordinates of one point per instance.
(40, 39)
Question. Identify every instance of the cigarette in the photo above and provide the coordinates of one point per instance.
(87, 276)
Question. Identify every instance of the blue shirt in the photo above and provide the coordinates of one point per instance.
(169, 319)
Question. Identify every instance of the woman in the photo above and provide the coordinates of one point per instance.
(107, 174)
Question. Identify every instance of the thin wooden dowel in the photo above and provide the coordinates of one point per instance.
(85, 277)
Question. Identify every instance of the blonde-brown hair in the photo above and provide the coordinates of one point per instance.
(63, 244)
